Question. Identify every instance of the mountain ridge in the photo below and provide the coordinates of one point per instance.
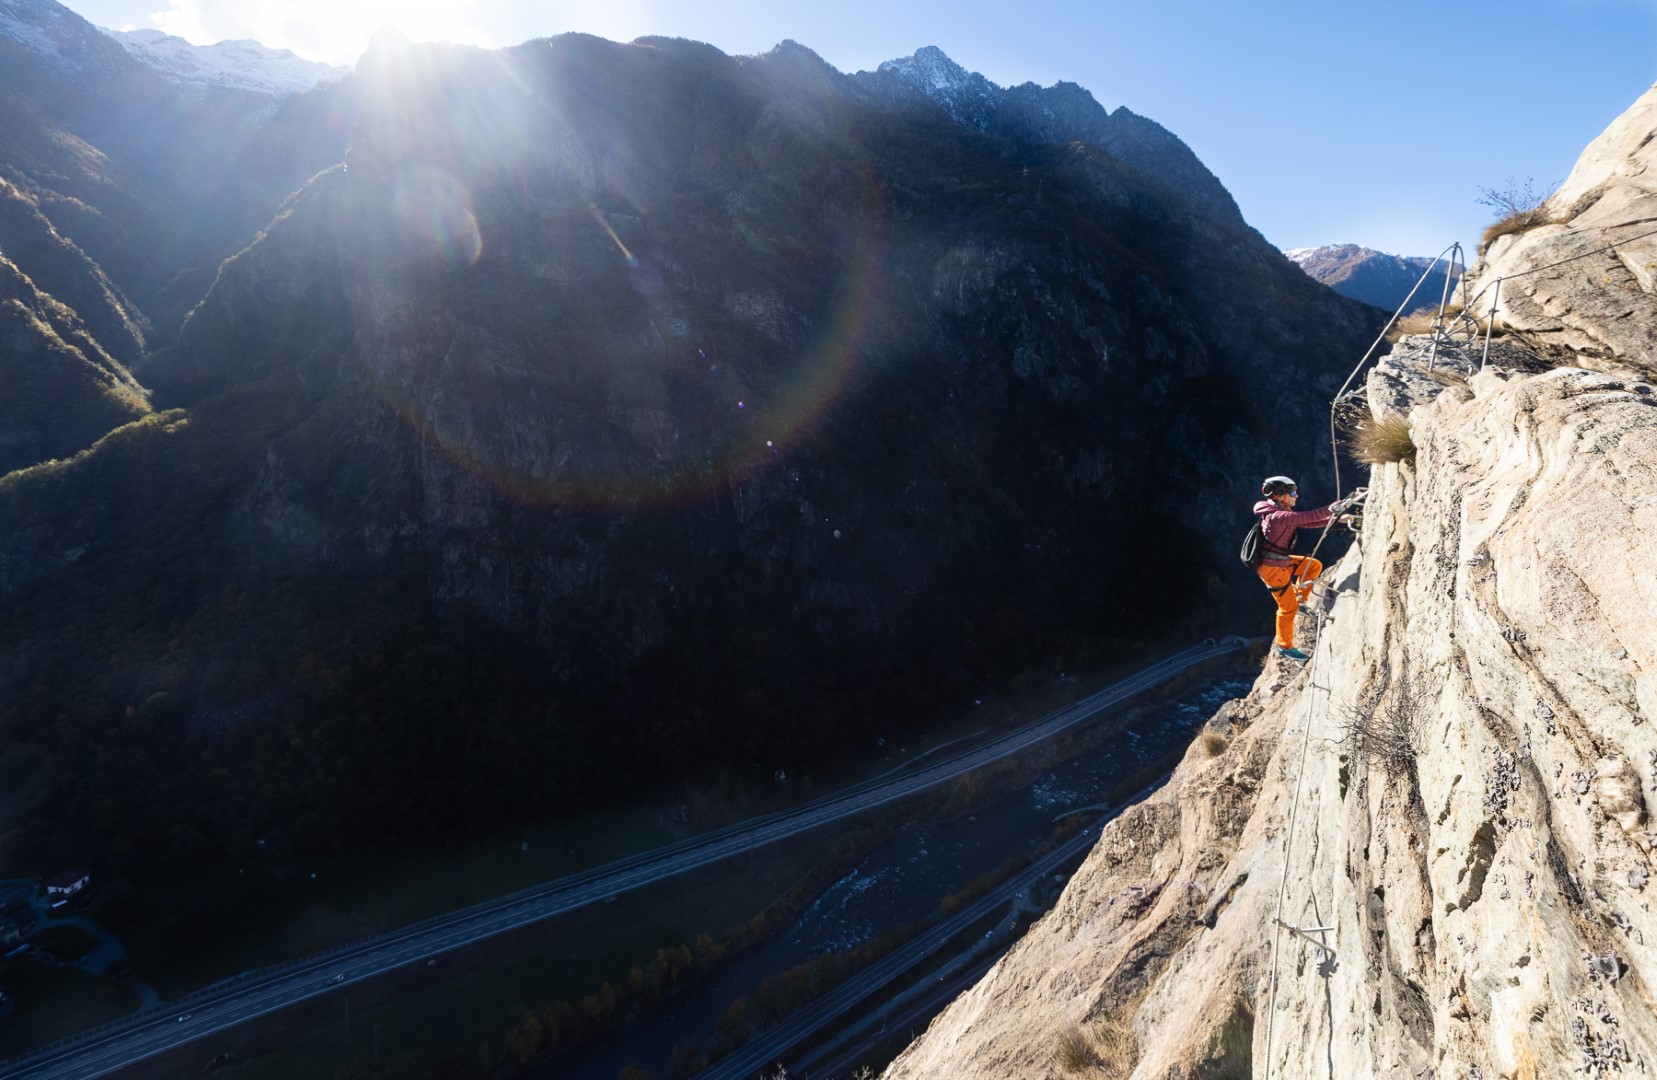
(1063, 112)
(243, 65)
(1376, 278)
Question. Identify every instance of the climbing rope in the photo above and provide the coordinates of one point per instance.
(1288, 849)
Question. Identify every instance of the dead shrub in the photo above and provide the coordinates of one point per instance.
(1214, 743)
(1522, 206)
(1388, 729)
(1379, 440)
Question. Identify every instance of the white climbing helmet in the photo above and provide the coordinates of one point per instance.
(1279, 485)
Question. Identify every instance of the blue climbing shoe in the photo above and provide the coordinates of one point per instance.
(1291, 654)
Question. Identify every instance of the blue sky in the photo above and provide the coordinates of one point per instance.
(1329, 122)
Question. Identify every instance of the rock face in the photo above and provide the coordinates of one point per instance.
(1471, 751)
(1458, 787)
(1601, 221)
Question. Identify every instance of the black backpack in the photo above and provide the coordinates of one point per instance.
(1254, 545)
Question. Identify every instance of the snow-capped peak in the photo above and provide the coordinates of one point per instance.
(1339, 251)
(931, 69)
(240, 65)
(49, 30)
(967, 96)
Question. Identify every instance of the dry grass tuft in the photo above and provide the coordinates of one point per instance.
(1380, 441)
(1517, 222)
(1425, 321)
(1074, 1053)
(1419, 323)
(1214, 743)
(1447, 376)
(1116, 1047)
(1107, 1050)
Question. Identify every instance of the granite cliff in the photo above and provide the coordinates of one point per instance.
(1451, 801)
(1577, 272)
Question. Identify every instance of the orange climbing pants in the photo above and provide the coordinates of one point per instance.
(1304, 570)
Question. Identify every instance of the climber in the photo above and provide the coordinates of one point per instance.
(1287, 575)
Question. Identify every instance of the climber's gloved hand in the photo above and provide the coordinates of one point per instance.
(1341, 506)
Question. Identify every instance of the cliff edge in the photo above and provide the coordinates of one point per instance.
(1449, 805)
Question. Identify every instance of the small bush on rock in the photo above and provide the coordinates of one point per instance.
(1521, 204)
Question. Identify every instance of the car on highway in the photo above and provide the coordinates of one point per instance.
(336, 978)
(184, 1016)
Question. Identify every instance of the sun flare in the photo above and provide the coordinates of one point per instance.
(331, 31)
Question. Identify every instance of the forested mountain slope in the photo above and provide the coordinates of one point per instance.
(614, 417)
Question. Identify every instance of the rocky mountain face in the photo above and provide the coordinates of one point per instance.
(147, 183)
(1599, 220)
(613, 413)
(1376, 278)
(1451, 802)
(59, 390)
(1061, 113)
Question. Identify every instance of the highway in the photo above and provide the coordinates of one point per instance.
(235, 1001)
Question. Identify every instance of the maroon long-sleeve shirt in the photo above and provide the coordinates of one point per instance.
(1279, 526)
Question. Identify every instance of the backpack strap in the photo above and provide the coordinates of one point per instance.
(1273, 549)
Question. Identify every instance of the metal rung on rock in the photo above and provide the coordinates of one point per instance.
(1307, 932)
